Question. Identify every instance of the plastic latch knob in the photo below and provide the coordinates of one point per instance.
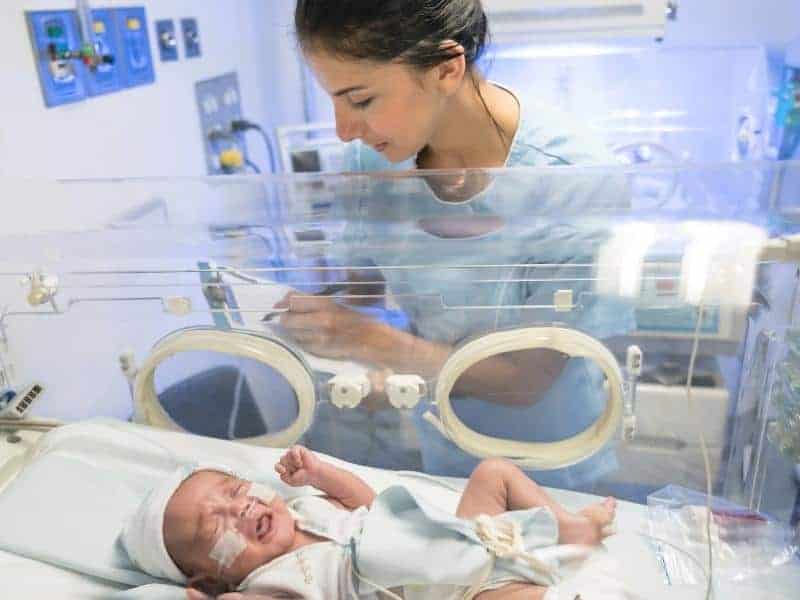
(405, 391)
(347, 391)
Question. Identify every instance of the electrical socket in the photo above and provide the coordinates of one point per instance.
(219, 103)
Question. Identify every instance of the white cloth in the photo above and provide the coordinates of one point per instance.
(143, 536)
(98, 472)
(319, 571)
(404, 544)
(598, 578)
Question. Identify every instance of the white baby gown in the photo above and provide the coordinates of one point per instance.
(416, 550)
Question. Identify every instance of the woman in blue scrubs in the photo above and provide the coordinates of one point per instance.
(406, 90)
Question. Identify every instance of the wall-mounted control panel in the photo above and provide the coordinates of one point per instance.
(167, 40)
(72, 69)
(136, 59)
(191, 38)
(54, 34)
(219, 104)
(106, 77)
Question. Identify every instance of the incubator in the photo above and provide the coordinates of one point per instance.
(607, 341)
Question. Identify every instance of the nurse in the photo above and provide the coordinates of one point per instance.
(406, 90)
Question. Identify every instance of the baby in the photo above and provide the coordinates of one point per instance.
(211, 530)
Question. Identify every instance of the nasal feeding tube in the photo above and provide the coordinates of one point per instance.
(633, 369)
(232, 543)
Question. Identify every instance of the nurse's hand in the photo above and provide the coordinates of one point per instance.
(323, 327)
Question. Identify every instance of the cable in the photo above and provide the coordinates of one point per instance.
(252, 165)
(562, 161)
(237, 401)
(5, 370)
(704, 450)
(243, 125)
(6, 365)
(675, 547)
(270, 150)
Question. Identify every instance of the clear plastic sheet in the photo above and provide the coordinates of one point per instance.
(746, 545)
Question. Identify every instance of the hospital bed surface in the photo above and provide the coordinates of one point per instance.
(122, 451)
(27, 578)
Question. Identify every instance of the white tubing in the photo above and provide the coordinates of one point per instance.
(247, 345)
(532, 455)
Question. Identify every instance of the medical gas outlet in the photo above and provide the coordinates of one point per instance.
(88, 55)
(219, 104)
(76, 59)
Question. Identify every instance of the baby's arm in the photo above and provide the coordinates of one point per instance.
(299, 466)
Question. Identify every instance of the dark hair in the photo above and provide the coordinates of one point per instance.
(412, 31)
(415, 32)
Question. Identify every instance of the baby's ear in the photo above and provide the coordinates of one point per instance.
(211, 586)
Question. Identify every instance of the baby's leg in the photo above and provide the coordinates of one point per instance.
(497, 486)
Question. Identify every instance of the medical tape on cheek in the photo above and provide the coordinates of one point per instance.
(262, 492)
(231, 544)
(227, 549)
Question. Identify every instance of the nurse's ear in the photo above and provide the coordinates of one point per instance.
(449, 74)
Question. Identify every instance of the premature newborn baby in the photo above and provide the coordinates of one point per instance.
(210, 529)
(217, 525)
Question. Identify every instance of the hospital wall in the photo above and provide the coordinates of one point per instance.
(151, 129)
(701, 23)
(772, 23)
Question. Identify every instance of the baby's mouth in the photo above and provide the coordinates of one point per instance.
(263, 527)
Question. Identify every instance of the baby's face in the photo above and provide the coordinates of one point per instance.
(209, 504)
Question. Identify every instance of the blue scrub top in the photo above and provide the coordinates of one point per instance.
(388, 237)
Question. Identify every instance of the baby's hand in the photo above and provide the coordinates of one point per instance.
(299, 466)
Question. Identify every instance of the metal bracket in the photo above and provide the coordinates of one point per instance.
(43, 289)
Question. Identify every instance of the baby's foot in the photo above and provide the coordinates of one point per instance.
(590, 526)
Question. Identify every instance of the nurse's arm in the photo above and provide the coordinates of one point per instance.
(515, 378)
